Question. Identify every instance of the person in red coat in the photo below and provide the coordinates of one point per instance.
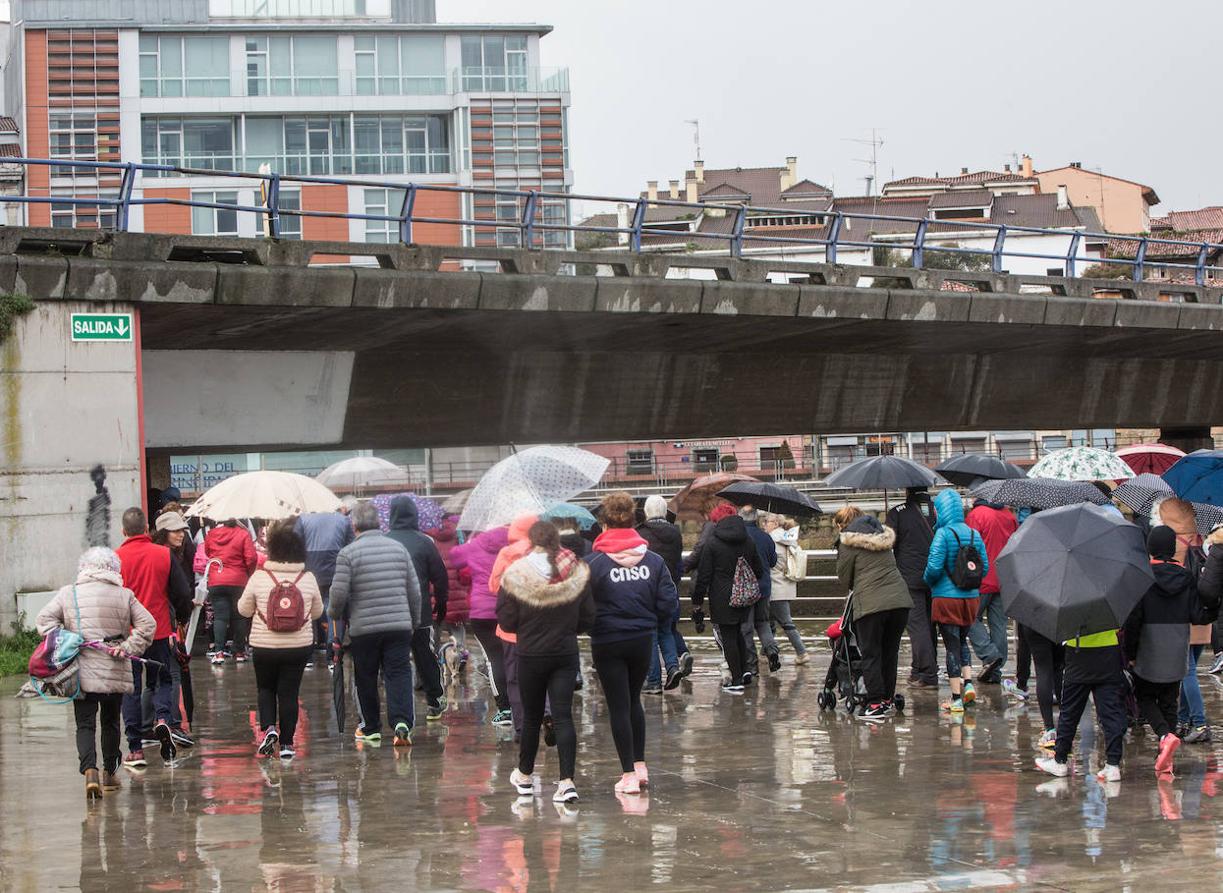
(160, 584)
(231, 544)
(996, 524)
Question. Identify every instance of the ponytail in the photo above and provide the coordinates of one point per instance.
(544, 535)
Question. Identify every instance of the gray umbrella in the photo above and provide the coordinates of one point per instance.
(1072, 571)
(1139, 492)
(969, 468)
(1039, 493)
(882, 473)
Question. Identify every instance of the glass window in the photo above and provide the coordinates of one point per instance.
(209, 143)
(423, 64)
(315, 66)
(265, 143)
(214, 221)
(174, 65)
(383, 203)
(206, 65)
(298, 65)
(290, 224)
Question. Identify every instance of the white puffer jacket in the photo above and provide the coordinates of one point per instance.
(108, 612)
(784, 589)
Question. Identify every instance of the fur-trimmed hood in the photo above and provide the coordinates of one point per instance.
(1216, 537)
(524, 582)
(867, 533)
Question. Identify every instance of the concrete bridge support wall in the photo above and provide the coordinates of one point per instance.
(70, 451)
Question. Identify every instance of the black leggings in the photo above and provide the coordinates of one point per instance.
(879, 637)
(86, 710)
(543, 679)
(622, 668)
(278, 676)
(1158, 702)
(730, 638)
(1049, 657)
(486, 634)
(227, 623)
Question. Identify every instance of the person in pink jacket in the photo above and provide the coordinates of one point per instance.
(231, 544)
(477, 556)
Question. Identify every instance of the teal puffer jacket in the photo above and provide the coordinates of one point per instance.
(944, 548)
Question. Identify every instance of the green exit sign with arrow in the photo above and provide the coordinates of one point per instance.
(101, 327)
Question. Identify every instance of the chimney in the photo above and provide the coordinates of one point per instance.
(1006, 168)
(692, 190)
(963, 171)
(1025, 165)
(674, 190)
(1063, 197)
(652, 190)
(699, 168)
(787, 173)
(622, 222)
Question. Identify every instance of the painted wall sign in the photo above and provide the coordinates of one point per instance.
(101, 327)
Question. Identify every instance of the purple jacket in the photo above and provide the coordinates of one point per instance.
(478, 555)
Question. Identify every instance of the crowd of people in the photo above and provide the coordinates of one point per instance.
(304, 592)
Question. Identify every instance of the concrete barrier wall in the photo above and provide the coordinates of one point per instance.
(69, 447)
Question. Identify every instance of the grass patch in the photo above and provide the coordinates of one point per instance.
(15, 649)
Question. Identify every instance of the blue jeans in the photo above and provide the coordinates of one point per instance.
(158, 681)
(1193, 710)
(667, 639)
(988, 634)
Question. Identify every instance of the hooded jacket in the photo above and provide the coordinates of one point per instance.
(546, 610)
(235, 549)
(867, 567)
(458, 583)
(914, 534)
(996, 525)
(944, 548)
(785, 541)
(517, 547)
(663, 538)
(1157, 631)
(375, 587)
(108, 613)
(715, 572)
(430, 569)
(150, 571)
(633, 590)
(767, 550)
(325, 533)
(477, 556)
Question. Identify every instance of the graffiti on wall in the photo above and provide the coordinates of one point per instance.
(97, 518)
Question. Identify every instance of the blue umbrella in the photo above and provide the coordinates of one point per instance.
(1198, 477)
(568, 510)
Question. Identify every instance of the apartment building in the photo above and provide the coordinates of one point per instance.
(371, 89)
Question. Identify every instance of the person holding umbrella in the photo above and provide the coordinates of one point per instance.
(954, 571)
(787, 573)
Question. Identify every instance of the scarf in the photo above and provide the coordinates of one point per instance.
(620, 539)
(99, 575)
(566, 563)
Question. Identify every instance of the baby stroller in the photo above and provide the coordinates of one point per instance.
(844, 677)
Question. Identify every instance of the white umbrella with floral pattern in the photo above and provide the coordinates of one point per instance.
(1082, 464)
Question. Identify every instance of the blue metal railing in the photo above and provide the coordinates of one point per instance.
(916, 236)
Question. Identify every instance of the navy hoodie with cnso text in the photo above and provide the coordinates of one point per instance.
(633, 590)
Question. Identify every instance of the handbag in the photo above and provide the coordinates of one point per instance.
(54, 670)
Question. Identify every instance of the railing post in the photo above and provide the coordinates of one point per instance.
(1140, 260)
(834, 233)
(527, 227)
(996, 258)
(273, 206)
(919, 244)
(126, 183)
(1072, 254)
(638, 222)
(1199, 269)
(736, 243)
(405, 214)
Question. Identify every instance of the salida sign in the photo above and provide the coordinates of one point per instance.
(101, 327)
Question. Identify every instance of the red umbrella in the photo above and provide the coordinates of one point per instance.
(1149, 458)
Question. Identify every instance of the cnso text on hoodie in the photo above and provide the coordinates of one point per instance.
(632, 587)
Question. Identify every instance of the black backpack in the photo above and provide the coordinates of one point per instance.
(967, 573)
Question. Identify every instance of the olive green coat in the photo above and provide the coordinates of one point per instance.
(867, 567)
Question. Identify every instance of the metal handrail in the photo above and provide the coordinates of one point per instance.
(928, 234)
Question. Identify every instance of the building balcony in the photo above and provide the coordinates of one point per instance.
(485, 79)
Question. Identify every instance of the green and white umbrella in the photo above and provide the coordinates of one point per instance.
(1082, 464)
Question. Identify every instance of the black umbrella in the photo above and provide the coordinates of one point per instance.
(771, 498)
(338, 691)
(969, 468)
(1039, 493)
(1074, 570)
(882, 473)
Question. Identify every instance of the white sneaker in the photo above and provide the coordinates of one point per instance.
(1011, 687)
(523, 784)
(1109, 773)
(1053, 767)
(565, 793)
(1217, 666)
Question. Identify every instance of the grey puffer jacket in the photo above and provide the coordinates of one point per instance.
(109, 613)
(375, 588)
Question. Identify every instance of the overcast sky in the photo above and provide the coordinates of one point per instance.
(1120, 86)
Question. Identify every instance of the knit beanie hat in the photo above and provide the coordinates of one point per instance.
(1161, 543)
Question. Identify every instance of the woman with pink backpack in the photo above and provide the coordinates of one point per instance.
(282, 599)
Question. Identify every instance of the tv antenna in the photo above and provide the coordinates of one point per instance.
(696, 135)
(876, 144)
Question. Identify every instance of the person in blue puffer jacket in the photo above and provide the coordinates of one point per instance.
(954, 609)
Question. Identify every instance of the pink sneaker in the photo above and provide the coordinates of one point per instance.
(643, 774)
(629, 784)
(1167, 748)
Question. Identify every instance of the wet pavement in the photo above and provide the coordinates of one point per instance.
(763, 792)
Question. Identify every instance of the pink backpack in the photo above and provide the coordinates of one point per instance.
(286, 606)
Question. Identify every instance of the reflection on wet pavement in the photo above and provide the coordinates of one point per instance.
(761, 792)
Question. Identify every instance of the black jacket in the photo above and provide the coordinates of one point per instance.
(716, 569)
(1157, 631)
(545, 615)
(430, 569)
(1210, 584)
(575, 543)
(913, 520)
(665, 540)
